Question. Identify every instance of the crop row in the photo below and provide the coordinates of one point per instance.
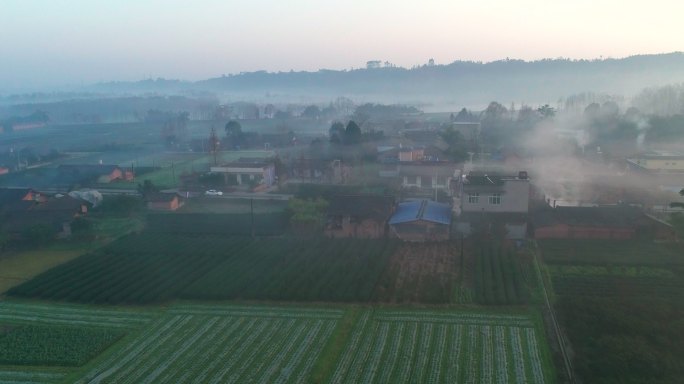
(611, 270)
(498, 278)
(265, 224)
(42, 345)
(131, 272)
(31, 313)
(238, 310)
(319, 270)
(218, 349)
(454, 318)
(617, 286)
(12, 375)
(381, 351)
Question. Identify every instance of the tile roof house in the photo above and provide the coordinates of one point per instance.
(87, 173)
(257, 171)
(424, 177)
(10, 196)
(359, 216)
(57, 212)
(163, 201)
(421, 220)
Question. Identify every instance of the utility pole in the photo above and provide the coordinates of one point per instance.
(214, 144)
(251, 208)
(173, 173)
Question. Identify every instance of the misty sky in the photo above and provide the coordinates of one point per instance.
(58, 42)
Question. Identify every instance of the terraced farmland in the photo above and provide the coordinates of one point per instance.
(224, 344)
(392, 346)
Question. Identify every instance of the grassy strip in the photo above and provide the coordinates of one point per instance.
(22, 266)
(325, 365)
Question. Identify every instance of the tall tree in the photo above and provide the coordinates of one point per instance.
(336, 132)
(678, 204)
(546, 111)
(352, 134)
(311, 112)
(234, 135)
(464, 116)
(457, 146)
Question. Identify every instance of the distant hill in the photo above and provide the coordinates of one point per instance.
(461, 82)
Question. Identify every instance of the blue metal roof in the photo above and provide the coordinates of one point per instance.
(421, 210)
(437, 213)
(406, 212)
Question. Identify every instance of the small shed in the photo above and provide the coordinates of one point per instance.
(421, 220)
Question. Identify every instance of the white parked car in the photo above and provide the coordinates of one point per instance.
(213, 192)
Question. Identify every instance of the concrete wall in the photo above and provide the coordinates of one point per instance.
(421, 231)
(366, 229)
(515, 197)
(514, 231)
(660, 164)
(564, 231)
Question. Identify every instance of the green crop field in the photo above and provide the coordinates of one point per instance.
(619, 303)
(318, 270)
(44, 343)
(395, 346)
(221, 344)
(238, 343)
(52, 345)
(154, 267)
(498, 278)
(231, 224)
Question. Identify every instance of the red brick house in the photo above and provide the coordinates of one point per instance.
(164, 202)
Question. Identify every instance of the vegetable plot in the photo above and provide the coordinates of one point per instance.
(221, 344)
(52, 345)
(392, 346)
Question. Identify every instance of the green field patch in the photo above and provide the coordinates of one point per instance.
(31, 375)
(153, 267)
(617, 270)
(213, 205)
(15, 268)
(311, 270)
(611, 252)
(619, 302)
(232, 224)
(20, 312)
(423, 346)
(588, 285)
(43, 345)
(221, 344)
(131, 270)
(499, 277)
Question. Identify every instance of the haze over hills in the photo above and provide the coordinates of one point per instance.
(461, 82)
